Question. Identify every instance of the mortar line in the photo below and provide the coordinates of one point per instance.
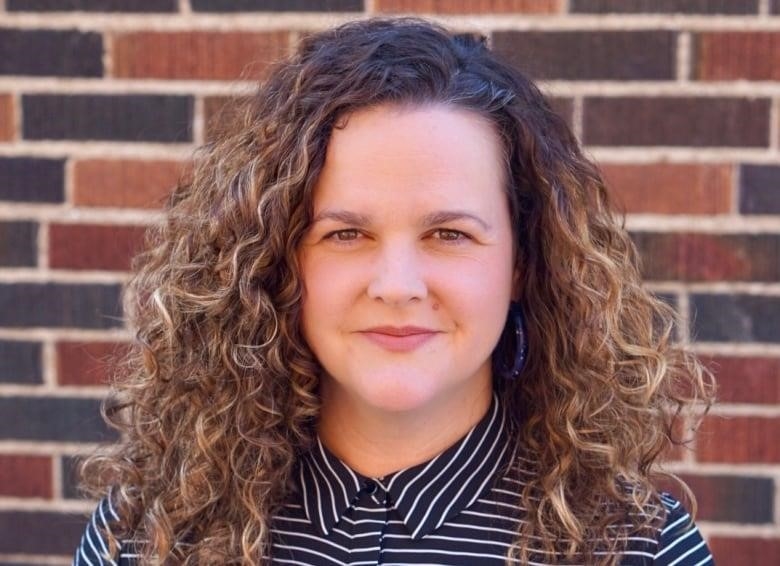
(736, 190)
(239, 86)
(108, 54)
(43, 560)
(56, 477)
(684, 310)
(313, 21)
(577, 119)
(199, 120)
(49, 367)
(69, 184)
(683, 59)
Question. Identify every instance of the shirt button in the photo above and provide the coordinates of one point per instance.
(370, 486)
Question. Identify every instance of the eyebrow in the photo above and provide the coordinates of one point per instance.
(444, 216)
(344, 216)
(431, 219)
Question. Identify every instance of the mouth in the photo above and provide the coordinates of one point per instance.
(399, 339)
(400, 330)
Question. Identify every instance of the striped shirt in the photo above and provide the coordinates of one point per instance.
(460, 508)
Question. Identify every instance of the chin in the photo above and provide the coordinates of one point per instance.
(399, 395)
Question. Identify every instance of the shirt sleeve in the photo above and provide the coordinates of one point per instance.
(680, 542)
(93, 548)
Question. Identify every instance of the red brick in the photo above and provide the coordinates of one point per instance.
(6, 117)
(751, 55)
(93, 246)
(746, 379)
(747, 551)
(126, 184)
(196, 55)
(468, 6)
(737, 440)
(670, 188)
(25, 476)
(670, 256)
(87, 363)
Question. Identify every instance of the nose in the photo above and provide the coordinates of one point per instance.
(397, 275)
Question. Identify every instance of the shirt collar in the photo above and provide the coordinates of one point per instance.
(425, 495)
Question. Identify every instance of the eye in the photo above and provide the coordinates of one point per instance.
(346, 235)
(448, 235)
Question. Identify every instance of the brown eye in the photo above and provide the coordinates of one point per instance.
(450, 235)
(343, 235)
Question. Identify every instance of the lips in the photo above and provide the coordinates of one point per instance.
(399, 339)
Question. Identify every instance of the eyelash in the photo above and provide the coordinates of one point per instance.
(334, 236)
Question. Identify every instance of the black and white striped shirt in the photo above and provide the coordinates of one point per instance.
(460, 508)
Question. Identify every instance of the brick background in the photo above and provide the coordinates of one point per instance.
(130, 117)
(124, 183)
(91, 246)
(671, 188)
(758, 191)
(32, 179)
(738, 55)
(467, 6)
(86, 363)
(664, 6)
(103, 101)
(18, 246)
(676, 121)
(746, 379)
(92, 5)
(20, 362)
(65, 53)
(25, 476)
(202, 55)
(733, 499)
(613, 55)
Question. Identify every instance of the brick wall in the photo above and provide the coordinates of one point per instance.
(103, 100)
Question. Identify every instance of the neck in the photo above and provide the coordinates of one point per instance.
(375, 443)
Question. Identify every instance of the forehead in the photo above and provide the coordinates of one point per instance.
(397, 154)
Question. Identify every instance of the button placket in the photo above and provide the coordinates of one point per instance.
(372, 504)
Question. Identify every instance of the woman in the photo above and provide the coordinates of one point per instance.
(391, 319)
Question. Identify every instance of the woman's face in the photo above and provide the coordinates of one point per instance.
(408, 264)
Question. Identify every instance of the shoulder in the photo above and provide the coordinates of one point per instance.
(95, 546)
(680, 542)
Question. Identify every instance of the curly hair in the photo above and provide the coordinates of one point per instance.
(219, 395)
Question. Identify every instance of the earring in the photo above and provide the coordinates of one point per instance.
(512, 350)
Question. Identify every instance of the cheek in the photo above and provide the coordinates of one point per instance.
(329, 287)
(482, 278)
(480, 293)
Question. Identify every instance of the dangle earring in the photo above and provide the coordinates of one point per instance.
(512, 350)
